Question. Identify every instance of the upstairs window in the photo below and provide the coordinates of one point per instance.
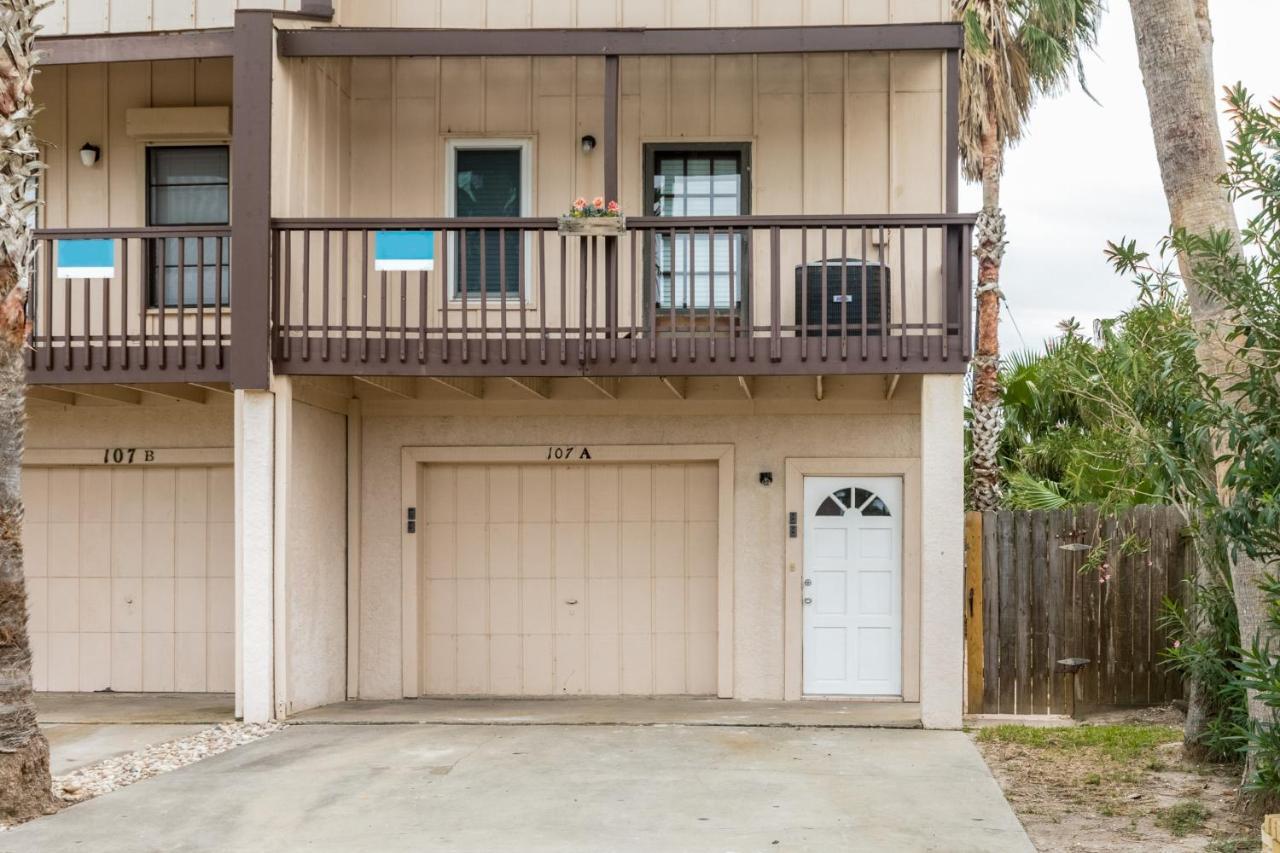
(693, 272)
(489, 180)
(189, 185)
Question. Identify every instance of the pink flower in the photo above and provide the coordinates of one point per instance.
(1177, 644)
(598, 203)
(613, 207)
(580, 204)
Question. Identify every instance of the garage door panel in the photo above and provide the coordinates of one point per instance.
(190, 662)
(95, 560)
(604, 675)
(602, 549)
(35, 546)
(157, 663)
(558, 594)
(602, 493)
(95, 662)
(126, 661)
(95, 605)
(64, 549)
(504, 494)
(535, 495)
(138, 580)
(570, 486)
(191, 548)
(126, 549)
(37, 605)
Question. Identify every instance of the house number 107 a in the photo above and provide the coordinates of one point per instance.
(568, 453)
(126, 456)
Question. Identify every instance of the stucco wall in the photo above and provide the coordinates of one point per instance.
(155, 426)
(761, 442)
(316, 561)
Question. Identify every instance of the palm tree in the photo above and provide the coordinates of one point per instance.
(1175, 52)
(1015, 50)
(25, 789)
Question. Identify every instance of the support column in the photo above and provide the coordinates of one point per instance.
(255, 558)
(942, 551)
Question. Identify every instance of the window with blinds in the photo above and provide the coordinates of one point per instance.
(489, 182)
(189, 185)
(694, 272)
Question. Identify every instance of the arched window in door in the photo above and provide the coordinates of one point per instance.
(859, 500)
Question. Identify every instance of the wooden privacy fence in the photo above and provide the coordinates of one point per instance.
(1044, 586)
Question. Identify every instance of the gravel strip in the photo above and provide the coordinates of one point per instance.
(112, 773)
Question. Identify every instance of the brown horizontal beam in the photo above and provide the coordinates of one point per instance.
(135, 47)
(619, 42)
(89, 365)
(125, 233)
(888, 220)
(791, 361)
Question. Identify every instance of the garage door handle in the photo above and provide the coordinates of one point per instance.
(571, 601)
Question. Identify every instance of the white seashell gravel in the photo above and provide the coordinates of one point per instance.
(96, 779)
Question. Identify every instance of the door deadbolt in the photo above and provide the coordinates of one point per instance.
(808, 581)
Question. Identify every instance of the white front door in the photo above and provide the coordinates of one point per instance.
(852, 597)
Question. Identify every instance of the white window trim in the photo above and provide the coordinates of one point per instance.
(452, 146)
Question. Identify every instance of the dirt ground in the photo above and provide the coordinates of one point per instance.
(1122, 785)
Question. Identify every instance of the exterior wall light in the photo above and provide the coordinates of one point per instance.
(588, 144)
(766, 478)
(90, 154)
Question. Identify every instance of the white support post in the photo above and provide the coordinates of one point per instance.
(942, 551)
(255, 559)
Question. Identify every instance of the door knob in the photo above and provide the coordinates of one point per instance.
(571, 601)
(808, 601)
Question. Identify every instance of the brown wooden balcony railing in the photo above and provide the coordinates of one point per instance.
(162, 316)
(710, 295)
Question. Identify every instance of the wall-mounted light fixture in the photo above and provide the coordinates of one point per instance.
(90, 154)
(588, 144)
(766, 478)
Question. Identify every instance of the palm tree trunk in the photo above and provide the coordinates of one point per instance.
(25, 786)
(1175, 52)
(985, 405)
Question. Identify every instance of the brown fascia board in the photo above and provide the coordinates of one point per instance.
(341, 41)
(135, 47)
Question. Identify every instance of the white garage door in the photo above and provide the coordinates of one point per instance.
(130, 574)
(594, 579)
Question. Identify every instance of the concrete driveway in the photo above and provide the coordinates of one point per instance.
(556, 788)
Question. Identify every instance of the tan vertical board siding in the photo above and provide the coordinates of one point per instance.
(861, 133)
(74, 17)
(129, 573)
(548, 580)
(79, 17)
(511, 14)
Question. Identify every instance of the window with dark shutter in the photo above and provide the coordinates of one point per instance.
(489, 182)
(189, 185)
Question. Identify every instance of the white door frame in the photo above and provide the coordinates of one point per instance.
(414, 459)
(793, 633)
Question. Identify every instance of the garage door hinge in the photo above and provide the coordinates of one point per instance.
(412, 526)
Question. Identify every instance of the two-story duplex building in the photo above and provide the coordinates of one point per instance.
(325, 405)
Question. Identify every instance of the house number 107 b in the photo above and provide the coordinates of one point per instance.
(126, 456)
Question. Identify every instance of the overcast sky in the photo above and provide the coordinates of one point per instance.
(1086, 173)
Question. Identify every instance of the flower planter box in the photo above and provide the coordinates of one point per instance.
(593, 226)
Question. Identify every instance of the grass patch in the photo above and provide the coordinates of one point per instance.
(1183, 818)
(1119, 743)
(1240, 844)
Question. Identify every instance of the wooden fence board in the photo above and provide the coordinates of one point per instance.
(1026, 600)
(1008, 614)
(990, 612)
(1039, 607)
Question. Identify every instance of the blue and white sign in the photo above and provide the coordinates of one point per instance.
(86, 258)
(397, 251)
